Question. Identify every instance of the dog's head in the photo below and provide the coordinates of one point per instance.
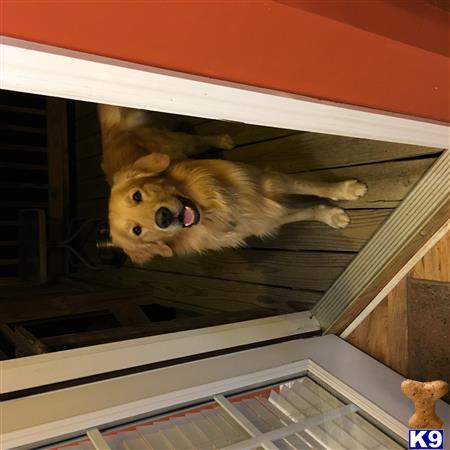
(147, 209)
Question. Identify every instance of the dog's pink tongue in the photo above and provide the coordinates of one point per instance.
(188, 216)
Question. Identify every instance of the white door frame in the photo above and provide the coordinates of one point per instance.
(50, 368)
(35, 68)
(371, 386)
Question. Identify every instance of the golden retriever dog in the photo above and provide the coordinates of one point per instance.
(163, 203)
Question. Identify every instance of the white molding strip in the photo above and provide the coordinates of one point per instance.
(408, 220)
(395, 280)
(240, 418)
(35, 68)
(358, 399)
(97, 440)
(82, 362)
(76, 425)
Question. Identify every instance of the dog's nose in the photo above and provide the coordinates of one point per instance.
(163, 217)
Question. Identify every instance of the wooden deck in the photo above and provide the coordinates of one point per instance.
(291, 271)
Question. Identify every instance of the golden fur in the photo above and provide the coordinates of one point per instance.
(230, 201)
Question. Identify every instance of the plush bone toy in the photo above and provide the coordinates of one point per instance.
(424, 396)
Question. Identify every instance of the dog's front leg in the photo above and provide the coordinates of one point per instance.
(341, 190)
(333, 216)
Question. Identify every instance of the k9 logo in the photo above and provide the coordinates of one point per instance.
(429, 439)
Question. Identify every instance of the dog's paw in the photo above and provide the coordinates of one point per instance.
(350, 190)
(333, 216)
(225, 142)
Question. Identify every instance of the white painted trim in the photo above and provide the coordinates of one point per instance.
(372, 387)
(82, 362)
(34, 68)
(97, 440)
(248, 426)
(396, 279)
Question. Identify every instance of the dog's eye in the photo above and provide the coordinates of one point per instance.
(137, 230)
(137, 196)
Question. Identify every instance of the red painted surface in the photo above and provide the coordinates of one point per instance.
(385, 54)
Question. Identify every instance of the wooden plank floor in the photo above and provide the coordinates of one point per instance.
(292, 270)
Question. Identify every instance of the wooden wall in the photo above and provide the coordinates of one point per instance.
(409, 330)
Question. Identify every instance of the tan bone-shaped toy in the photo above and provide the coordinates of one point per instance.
(424, 396)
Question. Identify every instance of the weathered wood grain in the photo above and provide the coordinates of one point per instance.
(201, 292)
(317, 236)
(297, 270)
(242, 133)
(388, 182)
(435, 265)
(311, 151)
(384, 333)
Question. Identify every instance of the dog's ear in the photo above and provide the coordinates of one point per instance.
(143, 253)
(145, 166)
(153, 163)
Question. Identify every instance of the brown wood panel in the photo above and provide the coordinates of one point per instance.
(388, 182)
(212, 294)
(242, 133)
(435, 265)
(384, 333)
(297, 270)
(311, 151)
(317, 236)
